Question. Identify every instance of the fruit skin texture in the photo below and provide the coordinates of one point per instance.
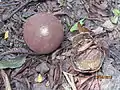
(43, 33)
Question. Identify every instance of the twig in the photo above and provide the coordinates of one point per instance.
(57, 76)
(6, 80)
(70, 80)
(10, 4)
(18, 9)
(18, 51)
(88, 79)
(86, 46)
(90, 84)
(59, 13)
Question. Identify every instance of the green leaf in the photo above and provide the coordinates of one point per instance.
(74, 27)
(13, 63)
(114, 19)
(116, 12)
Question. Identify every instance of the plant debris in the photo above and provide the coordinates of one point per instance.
(87, 59)
(6, 80)
(75, 26)
(39, 78)
(13, 63)
(6, 35)
(114, 19)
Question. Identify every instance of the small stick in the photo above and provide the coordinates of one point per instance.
(18, 9)
(6, 80)
(70, 80)
(10, 4)
(59, 13)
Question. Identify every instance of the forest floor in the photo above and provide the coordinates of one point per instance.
(23, 70)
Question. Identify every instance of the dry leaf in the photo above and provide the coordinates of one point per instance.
(75, 27)
(6, 35)
(114, 19)
(98, 30)
(39, 78)
(13, 63)
(82, 29)
(116, 12)
(108, 24)
(88, 62)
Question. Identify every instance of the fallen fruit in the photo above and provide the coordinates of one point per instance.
(43, 33)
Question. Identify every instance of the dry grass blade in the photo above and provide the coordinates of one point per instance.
(70, 80)
(6, 80)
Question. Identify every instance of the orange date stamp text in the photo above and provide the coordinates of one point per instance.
(103, 77)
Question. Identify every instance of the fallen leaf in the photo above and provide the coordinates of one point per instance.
(114, 19)
(15, 50)
(82, 29)
(6, 35)
(80, 41)
(98, 30)
(39, 78)
(90, 61)
(75, 26)
(13, 63)
(108, 24)
(116, 12)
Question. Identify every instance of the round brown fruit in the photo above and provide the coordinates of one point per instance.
(43, 33)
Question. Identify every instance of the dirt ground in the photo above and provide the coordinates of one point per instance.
(54, 71)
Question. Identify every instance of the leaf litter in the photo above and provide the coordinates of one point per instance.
(51, 66)
(13, 63)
